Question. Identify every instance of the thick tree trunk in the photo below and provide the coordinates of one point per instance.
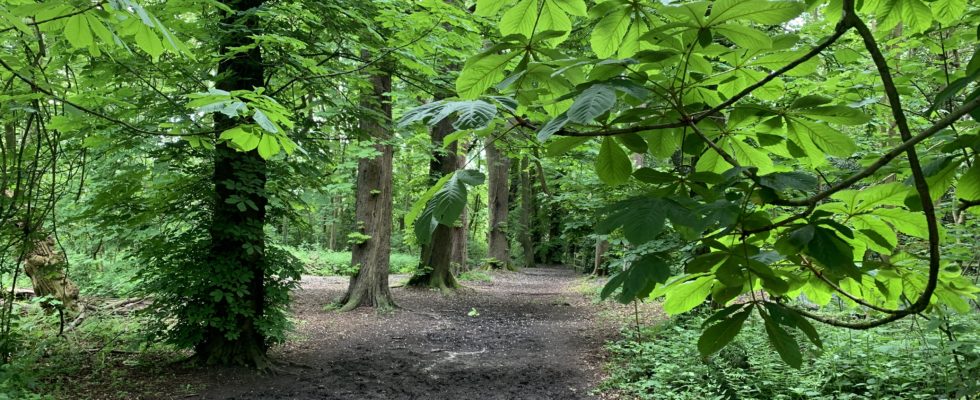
(498, 166)
(243, 175)
(369, 287)
(437, 256)
(527, 205)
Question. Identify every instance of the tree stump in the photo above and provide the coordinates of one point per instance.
(46, 268)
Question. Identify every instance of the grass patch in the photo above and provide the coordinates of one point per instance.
(475, 276)
(327, 263)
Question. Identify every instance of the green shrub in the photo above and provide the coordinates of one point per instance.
(908, 359)
(475, 276)
(327, 262)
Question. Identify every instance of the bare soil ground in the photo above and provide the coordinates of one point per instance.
(535, 337)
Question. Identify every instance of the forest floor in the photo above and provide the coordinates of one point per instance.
(532, 334)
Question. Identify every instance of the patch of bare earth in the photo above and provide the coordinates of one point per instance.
(535, 337)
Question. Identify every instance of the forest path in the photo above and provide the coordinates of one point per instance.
(535, 337)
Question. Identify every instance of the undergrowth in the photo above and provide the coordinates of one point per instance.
(326, 262)
(910, 359)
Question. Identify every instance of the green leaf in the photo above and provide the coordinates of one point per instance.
(573, 7)
(264, 121)
(717, 336)
(686, 295)
(948, 11)
(784, 181)
(489, 8)
(650, 175)
(916, 16)
(642, 219)
(593, 102)
(833, 253)
(784, 343)
(520, 19)
(613, 165)
(482, 74)
(77, 32)
(149, 42)
(268, 146)
(420, 204)
(448, 203)
(968, 186)
(827, 139)
(473, 114)
(552, 126)
(837, 114)
(763, 12)
(642, 276)
(633, 142)
(743, 36)
(565, 144)
(609, 32)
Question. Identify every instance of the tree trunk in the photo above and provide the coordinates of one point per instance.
(460, 257)
(45, 265)
(601, 246)
(437, 256)
(498, 166)
(527, 205)
(372, 209)
(232, 231)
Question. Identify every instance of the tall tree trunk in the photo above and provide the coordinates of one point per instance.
(527, 205)
(498, 166)
(460, 256)
(436, 256)
(369, 287)
(241, 174)
(598, 267)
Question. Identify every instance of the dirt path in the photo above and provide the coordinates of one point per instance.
(535, 338)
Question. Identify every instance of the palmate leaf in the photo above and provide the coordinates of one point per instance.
(470, 114)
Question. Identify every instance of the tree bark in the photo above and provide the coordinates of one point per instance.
(601, 246)
(527, 205)
(369, 286)
(45, 265)
(460, 256)
(241, 174)
(498, 166)
(437, 256)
